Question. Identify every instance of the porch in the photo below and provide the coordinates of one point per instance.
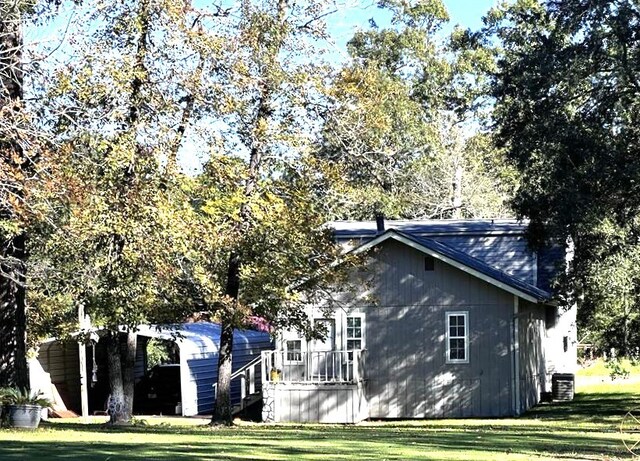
(322, 386)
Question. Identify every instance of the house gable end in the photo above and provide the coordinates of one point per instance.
(462, 262)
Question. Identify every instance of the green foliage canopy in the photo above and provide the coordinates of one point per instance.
(567, 101)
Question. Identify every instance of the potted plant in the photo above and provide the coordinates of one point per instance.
(23, 409)
(275, 374)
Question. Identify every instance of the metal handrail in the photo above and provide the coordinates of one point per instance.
(245, 373)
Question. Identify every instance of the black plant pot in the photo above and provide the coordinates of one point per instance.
(23, 416)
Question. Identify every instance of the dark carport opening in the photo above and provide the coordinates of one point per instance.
(158, 389)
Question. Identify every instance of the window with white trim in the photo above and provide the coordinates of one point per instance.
(355, 333)
(458, 337)
(293, 349)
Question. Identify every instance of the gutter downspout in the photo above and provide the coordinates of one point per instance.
(516, 357)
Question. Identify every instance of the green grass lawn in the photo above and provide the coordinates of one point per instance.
(599, 368)
(586, 429)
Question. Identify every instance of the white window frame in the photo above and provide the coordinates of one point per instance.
(363, 329)
(286, 350)
(448, 316)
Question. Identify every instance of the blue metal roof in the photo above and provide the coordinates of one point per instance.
(480, 266)
(204, 335)
(344, 230)
(199, 345)
(551, 261)
(509, 253)
(499, 244)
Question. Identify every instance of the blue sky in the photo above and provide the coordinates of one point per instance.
(355, 15)
(343, 24)
(468, 13)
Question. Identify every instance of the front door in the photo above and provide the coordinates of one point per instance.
(323, 359)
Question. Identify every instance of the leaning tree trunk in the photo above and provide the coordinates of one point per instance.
(13, 362)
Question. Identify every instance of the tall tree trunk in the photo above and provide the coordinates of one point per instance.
(128, 358)
(13, 362)
(117, 405)
(122, 352)
(13, 322)
(456, 199)
(121, 359)
(222, 412)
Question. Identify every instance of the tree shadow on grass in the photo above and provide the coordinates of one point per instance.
(364, 443)
(599, 408)
(189, 451)
(585, 428)
(318, 443)
(125, 429)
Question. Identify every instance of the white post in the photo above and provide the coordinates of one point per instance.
(356, 370)
(243, 390)
(82, 358)
(252, 379)
(263, 366)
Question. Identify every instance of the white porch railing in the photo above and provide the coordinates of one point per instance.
(313, 367)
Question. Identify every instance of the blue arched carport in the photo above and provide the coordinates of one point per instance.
(199, 344)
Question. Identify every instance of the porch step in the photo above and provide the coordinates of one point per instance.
(252, 399)
(63, 414)
(249, 408)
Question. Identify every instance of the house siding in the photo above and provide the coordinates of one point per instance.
(60, 360)
(407, 373)
(561, 324)
(308, 402)
(531, 332)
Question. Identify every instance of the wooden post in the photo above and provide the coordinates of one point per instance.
(82, 358)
